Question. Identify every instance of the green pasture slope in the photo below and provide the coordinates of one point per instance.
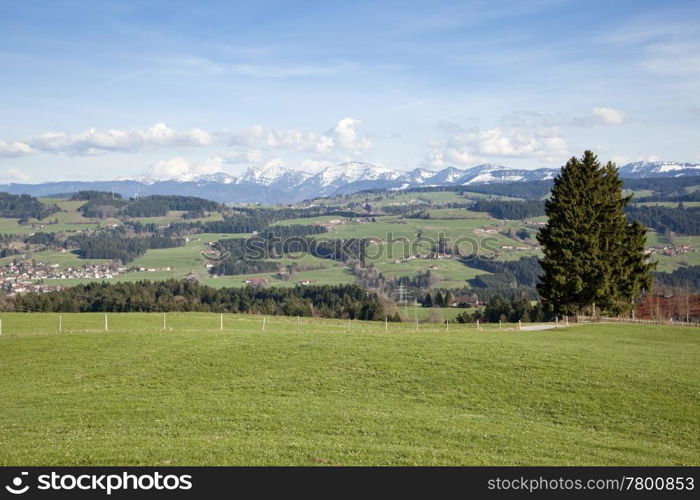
(339, 393)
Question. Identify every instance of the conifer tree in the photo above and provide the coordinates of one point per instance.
(593, 257)
(448, 299)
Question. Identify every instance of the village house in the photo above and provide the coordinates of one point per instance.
(465, 302)
(257, 281)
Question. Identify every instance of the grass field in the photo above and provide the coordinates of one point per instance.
(342, 393)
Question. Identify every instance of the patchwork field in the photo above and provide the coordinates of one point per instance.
(396, 237)
(340, 393)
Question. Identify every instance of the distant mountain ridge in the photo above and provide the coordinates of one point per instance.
(277, 185)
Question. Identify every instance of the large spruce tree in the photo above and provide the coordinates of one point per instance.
(593, 257)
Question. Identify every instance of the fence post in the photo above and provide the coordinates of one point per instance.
(520, 325)
(106, 324)
(60, 323)
(0, 326)
(264, 320)
(164, 327)
(447, 325)
(386, 324)
(297, 323)
(221, 321)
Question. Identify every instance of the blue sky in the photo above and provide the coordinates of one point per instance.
(104, 90)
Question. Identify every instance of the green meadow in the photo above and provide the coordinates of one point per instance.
(333, 392)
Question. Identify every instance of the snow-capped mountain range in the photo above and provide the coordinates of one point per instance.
(280, 185)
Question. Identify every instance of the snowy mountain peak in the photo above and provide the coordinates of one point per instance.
(277, 184)
(219, 178)
(348, 172)
(641, 169)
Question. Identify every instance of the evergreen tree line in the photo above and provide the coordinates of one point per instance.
(279, 214)
(138, 227)
(421, 214)
(46, 239)
(679, 198)
(23, 206)
(421, 281)
(438, 299)
(103, 207)
(421, 210)
(663, 187)
(7, 252)
(515, 273)
(408, 210)
(91, 194)
(247, 221)
(234, 224)
(511, 210)
(506, 292)
(111, 245)
(233, 267)
(680, 281)
(506, 310)
(679, 220)
(102, 204)
(160, 205)
(337, 301)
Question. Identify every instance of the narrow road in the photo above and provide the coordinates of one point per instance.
(540, 327)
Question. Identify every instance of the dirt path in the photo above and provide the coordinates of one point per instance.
(541, 327)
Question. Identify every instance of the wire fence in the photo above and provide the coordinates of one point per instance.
(31, 323)
(28, 323)
(636, 321)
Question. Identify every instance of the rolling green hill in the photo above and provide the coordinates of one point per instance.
(342, 394)
(480, 232)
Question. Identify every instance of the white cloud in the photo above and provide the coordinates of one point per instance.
(343, 138)
(609, 116)
(242, 157)
(95, 142)
(13, 175)
(15, 148)
(468, 147)
(249, 145)
(174, 167)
